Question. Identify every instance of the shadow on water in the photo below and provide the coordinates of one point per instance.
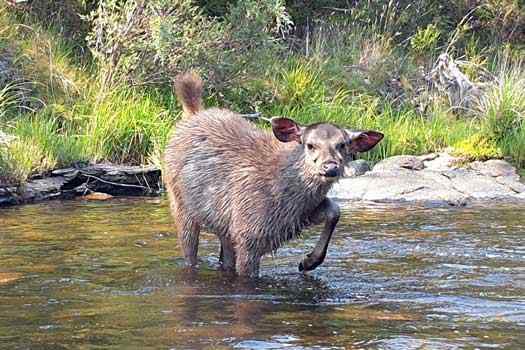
(109, 275)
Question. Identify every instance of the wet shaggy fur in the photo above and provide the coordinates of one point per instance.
(228, 177)
(189, 88)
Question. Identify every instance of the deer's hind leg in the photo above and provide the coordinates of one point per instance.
(189, 241)
(188, 230)
(227, 254)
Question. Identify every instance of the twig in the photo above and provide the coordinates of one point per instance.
(256, 115)
(114, 183)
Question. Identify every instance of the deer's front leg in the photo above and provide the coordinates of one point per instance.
(328, 211)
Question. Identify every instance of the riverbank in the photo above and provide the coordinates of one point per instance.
(433, 179)
(436, 86)
(100, 181)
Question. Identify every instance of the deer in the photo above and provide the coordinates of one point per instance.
(255, 189)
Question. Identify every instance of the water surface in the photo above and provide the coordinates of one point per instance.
(109, 275)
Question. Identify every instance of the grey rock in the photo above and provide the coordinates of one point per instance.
(404, 162)
(494, 168)
(433, 178)
(356, 168)
(42, 189)
(442, 162)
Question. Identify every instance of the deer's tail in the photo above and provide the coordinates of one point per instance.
(189, 89)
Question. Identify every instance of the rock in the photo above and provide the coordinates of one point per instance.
(356, 168)
(404, 162)
(122, 180)
(443, 162)
(434, 179)
(97, 196)
(67, 172)
(42, 189)
(494, 168)
(8, 196)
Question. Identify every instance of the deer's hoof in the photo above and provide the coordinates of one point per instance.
(309, 264)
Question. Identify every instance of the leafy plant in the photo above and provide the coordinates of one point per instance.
(477, 147)
(425, 40)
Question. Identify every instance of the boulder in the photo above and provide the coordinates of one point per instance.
(434, 178)
(356, 168)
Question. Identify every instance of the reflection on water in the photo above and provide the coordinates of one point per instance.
(109, 275)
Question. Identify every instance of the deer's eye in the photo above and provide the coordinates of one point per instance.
(310, 146)
(340, 146)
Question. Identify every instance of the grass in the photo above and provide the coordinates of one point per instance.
(343, 78)
(70, 121)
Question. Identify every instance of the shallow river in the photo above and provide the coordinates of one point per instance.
(109, 275)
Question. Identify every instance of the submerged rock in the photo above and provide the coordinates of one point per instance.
(97, 196)
(435, 178)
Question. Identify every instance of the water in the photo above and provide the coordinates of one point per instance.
(109, 275)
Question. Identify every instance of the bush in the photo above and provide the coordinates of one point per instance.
(150, 42)
(425, 40)
(477, 147)
(503, 105)
(41, 145)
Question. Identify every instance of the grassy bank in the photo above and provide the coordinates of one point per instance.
(64, 109)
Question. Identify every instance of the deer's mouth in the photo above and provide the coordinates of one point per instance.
(329, 176)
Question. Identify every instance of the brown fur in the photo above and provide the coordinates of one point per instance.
(189, 88)
(254, 192)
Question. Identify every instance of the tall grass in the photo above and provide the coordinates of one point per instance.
(501, 110)
(126, 127)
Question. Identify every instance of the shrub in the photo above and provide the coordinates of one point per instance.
(503, 105)
(41, 145)
(18, 161)
(147, 42)
(477, 147)
(150, 42)
(513, 145)
(299, 85)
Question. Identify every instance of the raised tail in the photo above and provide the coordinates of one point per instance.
(189, 88)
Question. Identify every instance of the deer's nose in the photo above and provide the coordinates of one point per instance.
(330, 169)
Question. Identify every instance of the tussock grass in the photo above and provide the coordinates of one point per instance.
(127, 127)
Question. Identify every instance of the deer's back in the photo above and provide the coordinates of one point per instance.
(216, 160)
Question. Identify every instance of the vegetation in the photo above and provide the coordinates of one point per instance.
(95, 85)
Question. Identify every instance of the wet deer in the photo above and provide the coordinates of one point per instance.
(253, 188)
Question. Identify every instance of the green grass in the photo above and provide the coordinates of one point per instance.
(127, 127)
(73, 121)
(123, 127)
(341, 80)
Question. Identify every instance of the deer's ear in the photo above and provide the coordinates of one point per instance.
(363, 141)
(286, 130)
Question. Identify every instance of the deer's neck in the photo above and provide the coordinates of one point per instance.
(300, 180)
